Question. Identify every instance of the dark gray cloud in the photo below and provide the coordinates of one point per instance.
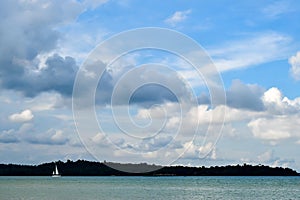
(124, 86)
(151, 94)
(245, 96)
(58, 75)
(241, 96)
(28, 29)
(105, 88)
(145, 87)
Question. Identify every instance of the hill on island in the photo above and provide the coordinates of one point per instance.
(88, 168)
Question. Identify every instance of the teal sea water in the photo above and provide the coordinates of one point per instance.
(149, 188)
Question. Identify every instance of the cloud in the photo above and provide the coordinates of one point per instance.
(269, 158)
(94, 3)
(172, 89)
(47, 101)
(58, 75)
(268, 114)
(266, 156)
(8, 137)
(50, 137)
(276, 9)
(145, 85)
(31, 133)
(25, 129)
(203, 115)
(277, 104)
(177, 17)
(194, 151)
(272, 122)
(257, 49)
(240, 96)
(155, 143)
(15, 136)
(245, 96)
(242, 123)
(273, 129)
(124, 83)
(100, 139)
(281, 119)
(33, 26)
(24, 116)
(209, 150)
(295, 66)
(58, 137)
(152, 94)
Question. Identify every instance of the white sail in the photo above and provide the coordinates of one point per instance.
(55, 172)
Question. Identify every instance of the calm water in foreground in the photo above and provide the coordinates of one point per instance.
(150, 188)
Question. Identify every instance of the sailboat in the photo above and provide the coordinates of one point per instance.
(55, 172)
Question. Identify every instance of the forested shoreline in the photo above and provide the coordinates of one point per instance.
(89, 168)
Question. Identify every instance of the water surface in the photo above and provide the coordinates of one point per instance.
(150, 188)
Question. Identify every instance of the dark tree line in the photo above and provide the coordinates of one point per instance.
(88, 168)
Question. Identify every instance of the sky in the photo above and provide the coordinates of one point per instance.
(150, 104)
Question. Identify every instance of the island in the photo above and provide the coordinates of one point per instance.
(91, 168)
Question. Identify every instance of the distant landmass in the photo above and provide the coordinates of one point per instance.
(88, 168)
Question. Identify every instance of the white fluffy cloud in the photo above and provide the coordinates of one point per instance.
(275, 128)
(280, 120)
(24, 116)
(178, 17)
(277, 104)
(295, 66)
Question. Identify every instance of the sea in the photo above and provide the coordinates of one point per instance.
(160, 187)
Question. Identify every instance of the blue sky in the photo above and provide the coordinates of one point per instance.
(255, 47)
